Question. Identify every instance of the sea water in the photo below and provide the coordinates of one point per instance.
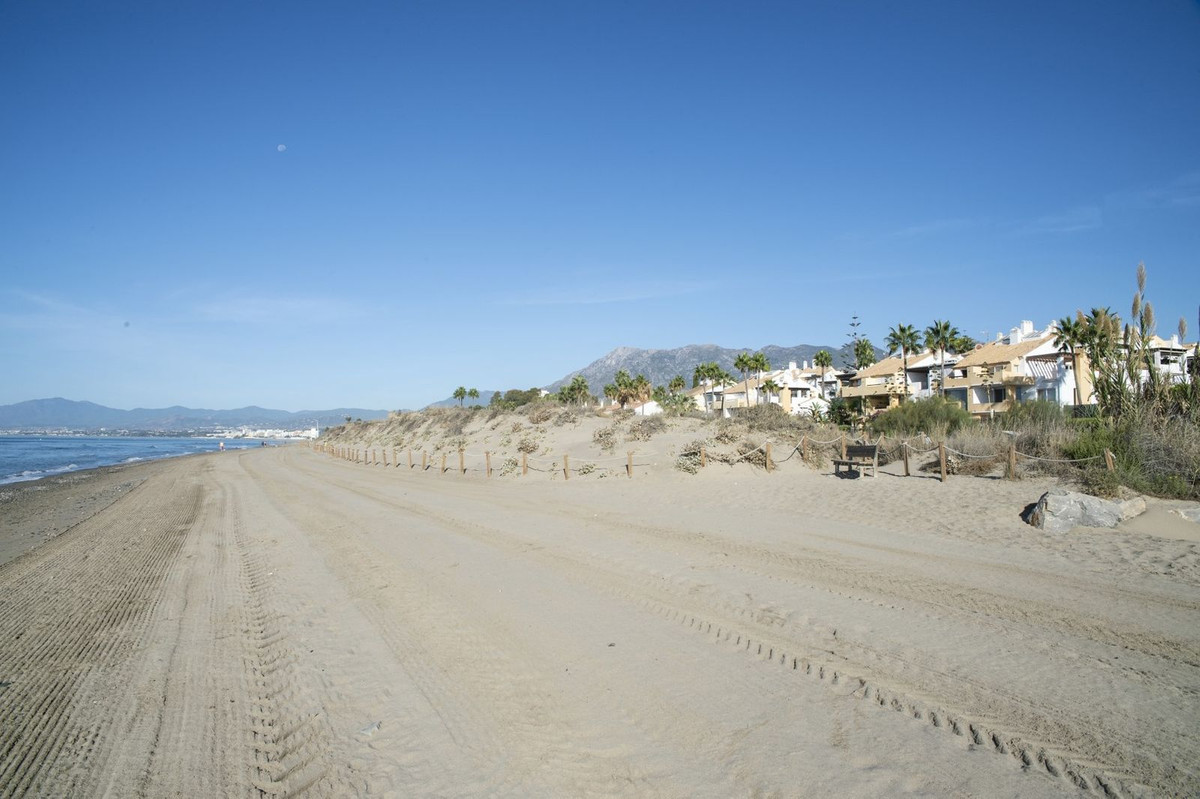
(34, 457)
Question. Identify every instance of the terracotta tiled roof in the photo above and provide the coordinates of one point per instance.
(885, 368)
(996, 352)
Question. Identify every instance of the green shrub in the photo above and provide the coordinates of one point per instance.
(840, 413)
(936, 417)
(1091, 442)
(1039, 413)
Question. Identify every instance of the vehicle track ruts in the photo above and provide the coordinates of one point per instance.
(668, 600)
(73, 613)
(437, 641)
(288, 734)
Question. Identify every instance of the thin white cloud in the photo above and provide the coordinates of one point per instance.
(621, 290)
(1072, 220)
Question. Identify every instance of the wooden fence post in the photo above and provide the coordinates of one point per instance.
(524, 464)
(488, 457)
(942, 458)
(395, 462)
(384, 452)
(843, 446)
(410, 459)
(703, 458)
(768, 457)
(566, 466)
(1012, 461)
(904, 450)
(462, 469)
(424, 461)
(1108, 461)
(443, 463)
(629, 465)
(804, 449)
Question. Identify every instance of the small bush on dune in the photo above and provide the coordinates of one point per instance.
(605, 438)
(752, 452)
(689, 457)
(645, 429)
(771, 418)
(1032, 415)
(936, 417)
(569, 416)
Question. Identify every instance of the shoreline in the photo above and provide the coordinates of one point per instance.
(33, 512)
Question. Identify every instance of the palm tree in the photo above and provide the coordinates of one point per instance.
(939, 336)
(641, 388)
(743, 363)
(724, 379)
(706, 373)
(581, 388)
(676, 385)
(1101, 333)
(963, 343)
(460, 394)
(473, 393)
(864, 353)
(823, 361)
(1068, 338)
(903, 339)
(769, 387)
(760, 364)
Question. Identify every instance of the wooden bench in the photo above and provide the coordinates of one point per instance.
(858, 456)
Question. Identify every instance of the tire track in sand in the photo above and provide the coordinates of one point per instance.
(73, 613)
(673, 602)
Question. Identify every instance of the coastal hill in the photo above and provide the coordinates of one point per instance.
(659, 366)
(59, 413)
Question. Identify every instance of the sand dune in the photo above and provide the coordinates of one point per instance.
(281, 622)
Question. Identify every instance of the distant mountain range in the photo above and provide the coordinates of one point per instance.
(659, 366)
(59, 413)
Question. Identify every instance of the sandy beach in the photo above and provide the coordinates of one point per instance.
(279, 622)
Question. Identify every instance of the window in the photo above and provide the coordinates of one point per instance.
(998, 394)
(1047, 394)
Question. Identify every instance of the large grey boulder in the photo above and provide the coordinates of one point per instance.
(1191, 514)
(1059, 511)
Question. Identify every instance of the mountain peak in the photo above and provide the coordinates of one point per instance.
(659, 366)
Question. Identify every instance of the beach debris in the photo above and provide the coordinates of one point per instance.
(371, 728)
(1060, 511)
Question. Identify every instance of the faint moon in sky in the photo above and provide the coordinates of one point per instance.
(281, 147)
(126, 324)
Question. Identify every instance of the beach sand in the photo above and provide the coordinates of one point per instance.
(280, 622)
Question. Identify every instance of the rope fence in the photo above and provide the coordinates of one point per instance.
(858, 453)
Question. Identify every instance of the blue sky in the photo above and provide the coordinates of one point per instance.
(494, 194)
